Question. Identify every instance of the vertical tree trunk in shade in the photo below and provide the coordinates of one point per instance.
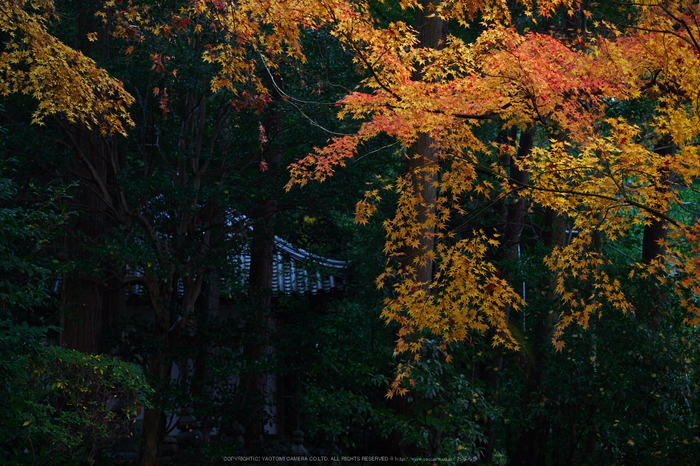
(654, 234)
(261, 271)
(256, 350)
(531, 444)
(655, 231)
(88, 306)
(421, 153)
(432, 34)
(515, 214)
(210, 306)
(161, 284)
(159, 369)
(83, 319)
(153, 422)
(114, 304)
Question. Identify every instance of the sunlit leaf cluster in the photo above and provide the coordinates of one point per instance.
(62, 80)
(604, 175)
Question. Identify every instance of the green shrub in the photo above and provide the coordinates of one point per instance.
(61, 406)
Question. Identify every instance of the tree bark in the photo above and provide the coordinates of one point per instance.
(261, 273)
(256, 351)
(83, 321)
(655, 231)
(153, 421)
(515, 214)
(652, 249)
(432, 33)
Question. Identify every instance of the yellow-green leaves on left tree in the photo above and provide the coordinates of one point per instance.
(62, 80)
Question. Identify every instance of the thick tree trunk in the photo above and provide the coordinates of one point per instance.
(256, 351)
(114, 304)
(153, 421)
(531, 445)
(211, 308)
(84, 321)
(652, 249)
(432, 33)
(421, 153)
(655, 231)
(89, 308)
(515, 214)
(261, 273)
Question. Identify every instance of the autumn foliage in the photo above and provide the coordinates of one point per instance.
(603, 174)
(62, 80)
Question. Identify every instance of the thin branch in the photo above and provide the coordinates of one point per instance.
(630, 202)
(357, 159)
(291, 100)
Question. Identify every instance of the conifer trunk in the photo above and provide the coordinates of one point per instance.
(261, 273)
(432, 34)
(83, 320)
(652, 249)
(655, 231)
(515, 214)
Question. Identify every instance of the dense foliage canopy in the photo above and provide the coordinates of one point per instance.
(532, 168)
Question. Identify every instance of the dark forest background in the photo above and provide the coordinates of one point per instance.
(121, 258)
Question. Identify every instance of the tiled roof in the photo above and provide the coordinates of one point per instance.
(298, 271)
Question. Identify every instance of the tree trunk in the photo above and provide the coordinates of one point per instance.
(255, 352)
(654, 234)
(515, 214)
(89, 308)
(211, 308)
(83, 321)
(261, 272)
(432, 33)
(153, 421)
(655, 231)
(531, 445)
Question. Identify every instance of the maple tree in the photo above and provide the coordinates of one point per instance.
(164, 205)
(63, 80)
(162, 194)
(602, 176)
(561, 87)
